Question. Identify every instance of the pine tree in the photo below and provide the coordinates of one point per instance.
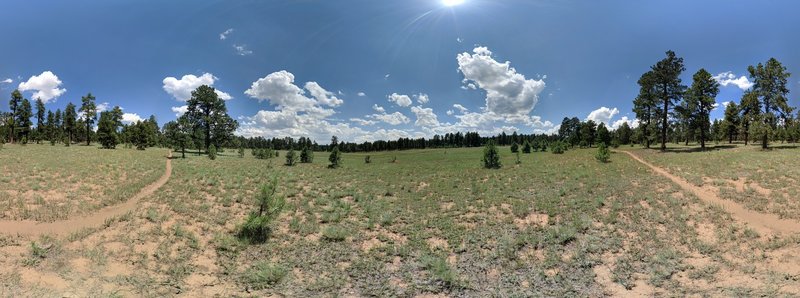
(40, 125)
(291, 159)
(70, 122)
(603, 136)
(514, 147)
(306, 155)
(335, 158)
(603, 154)
(23, 120)
(13, 105)
(89, 110)
(700, 99)
(770, 87)
(209, 117)
(107, 128)
(526, 147)
(491, 158)
(668, 88)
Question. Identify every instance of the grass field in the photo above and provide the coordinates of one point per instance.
(764, 181)
(432, 223)
(47, 183)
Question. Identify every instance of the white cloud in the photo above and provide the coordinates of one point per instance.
(7, 81)
(507, 92)
(322, 96)
(425, 117)
(378, 108)
(602, 115)
(422, 98)
(633, 123)
(45, 85)
(450, 112)
(179, 111)
(129, 118)
(361, 94)
(459, 40)
(182, 89)
(395, 118)
(362, 122)
(728, 78)
(102, 107)
(387, 76)
(460, 108)
(242, 50)
(224, 35)
(400, 100)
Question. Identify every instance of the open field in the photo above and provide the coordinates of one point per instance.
(47, 183)
(432, 223)
(764, 181)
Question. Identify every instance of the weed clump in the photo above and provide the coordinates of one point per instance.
(558, 147)
(264, 275)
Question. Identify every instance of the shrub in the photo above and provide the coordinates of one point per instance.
(291, 159)
(491, 158)
(514, 147)
(335, 158)
(241, 152)
(603, 154)
(558, 147)
(335, 233)
(366, 159)
(212, 152)
(526, 147)
(264, 275)
(264, 153)
(306, 155)
(257, 226)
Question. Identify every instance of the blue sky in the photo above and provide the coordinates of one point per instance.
(366, 69)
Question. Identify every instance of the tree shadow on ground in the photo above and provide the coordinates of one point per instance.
(696, 149)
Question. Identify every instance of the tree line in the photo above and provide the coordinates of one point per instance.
(669, 110)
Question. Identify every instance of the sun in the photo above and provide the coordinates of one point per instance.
(452, 2)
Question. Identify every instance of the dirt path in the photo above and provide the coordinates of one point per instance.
(67, 226)
(761, 222)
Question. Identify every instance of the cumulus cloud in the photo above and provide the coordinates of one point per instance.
(425, 117)
(129, 118)
(460, 108)
(181, 89)
(224, 35)
(507, 91)
(602, 115)
(46, 86)
(242, 50)
(400, 100)
(633, 123)
(102, 107)
(450, 112)
(378, 108)
(395, 118)
(179, 111)
(422, 98)
(361, 94)
(7, 81)
(728, 78)
(362, 122)
(322, 96)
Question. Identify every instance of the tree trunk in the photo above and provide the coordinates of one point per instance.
(88, 130)
(664, 121)
(703, 138)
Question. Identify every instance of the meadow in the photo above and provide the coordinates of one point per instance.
(46, 183)
(414, 223)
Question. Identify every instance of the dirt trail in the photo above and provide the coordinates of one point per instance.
(762, 222)
(63, 227)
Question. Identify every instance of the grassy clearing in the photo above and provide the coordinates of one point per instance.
(764, 181)
(46, 183)
(431, 222)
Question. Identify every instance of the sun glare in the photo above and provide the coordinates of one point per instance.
(452, 2)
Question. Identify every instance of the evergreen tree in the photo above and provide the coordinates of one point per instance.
(178, 134)
(667, 88)
(23, 120)
(291, 159)
(139, 134)
(335, 158)
(603, 136)
(731, 121)
(526, 147)
(108, 128)
(306, 155)
(514, 147)
(40, 125)
(58, 127)
(70, 124)
(770, 87)
(624, 133)
(50, 128)
(89, 110)
(212, 152)
(209, 117)
(700, 99)
(491, 157)
(13, 105)
(603, 154)
(588, 133)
